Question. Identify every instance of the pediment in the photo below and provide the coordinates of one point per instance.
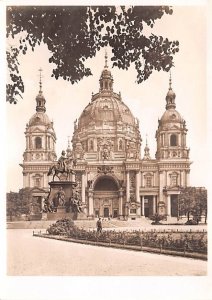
(175, 127)
(37, 129)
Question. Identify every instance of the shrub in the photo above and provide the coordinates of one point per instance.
(156, 218)
(61, 227)
(191, 222)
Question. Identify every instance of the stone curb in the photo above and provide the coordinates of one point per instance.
(193, 255)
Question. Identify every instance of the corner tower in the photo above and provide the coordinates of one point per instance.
(172, 156)
(40, 148)
(171, 132)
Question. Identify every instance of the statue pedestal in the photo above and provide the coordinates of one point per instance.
(67, 187)
(78, 216)
(61, 207)
(58, 210)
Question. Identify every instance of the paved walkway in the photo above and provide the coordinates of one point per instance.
(28, 255)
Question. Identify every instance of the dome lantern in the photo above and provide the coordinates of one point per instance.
(170, 97)
(106, 79)
(40, 100)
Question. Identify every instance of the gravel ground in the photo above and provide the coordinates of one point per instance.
(28, 255)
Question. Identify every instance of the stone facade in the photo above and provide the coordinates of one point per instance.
(113, 179)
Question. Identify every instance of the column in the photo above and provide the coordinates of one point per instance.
(187, 178)
(90, 202)
(142, 206)
(142, 179)
(161, 185)
(168, 205)
(153, 205)
(83, 187)
(24, 180)
(181, 178)
(120, 202)
(128, 187)
(44, 180)
(137, 192)
(165, 173)
(29, 181)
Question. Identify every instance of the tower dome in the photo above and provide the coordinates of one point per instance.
(39, 118)
(171, 114)
(107, 123)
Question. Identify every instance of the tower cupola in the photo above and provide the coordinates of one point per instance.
(40, 100)
(106, 79)
(171, 132)
(170, 97)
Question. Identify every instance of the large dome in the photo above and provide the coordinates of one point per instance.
(106, 125)
(106, 109)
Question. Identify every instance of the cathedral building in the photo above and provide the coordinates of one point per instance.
(112, 177)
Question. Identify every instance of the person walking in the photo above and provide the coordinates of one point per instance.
(99, 225)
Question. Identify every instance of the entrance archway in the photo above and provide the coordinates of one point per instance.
(106, 202)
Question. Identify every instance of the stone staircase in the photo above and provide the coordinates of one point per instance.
(114, 223)
(86, 224)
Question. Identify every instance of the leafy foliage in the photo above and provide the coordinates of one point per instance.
(193, 201)
(75, 33)
(18, 203)
(61, 227)
(194, 242)
(156, 218)
(21, 203)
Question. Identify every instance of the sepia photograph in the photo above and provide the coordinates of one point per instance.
(106, 150)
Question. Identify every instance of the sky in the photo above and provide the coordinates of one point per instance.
(65, 102)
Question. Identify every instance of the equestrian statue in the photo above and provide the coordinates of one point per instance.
(63, 167)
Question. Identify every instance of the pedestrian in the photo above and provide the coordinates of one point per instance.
(99, 225)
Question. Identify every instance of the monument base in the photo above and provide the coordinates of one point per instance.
(60, 195)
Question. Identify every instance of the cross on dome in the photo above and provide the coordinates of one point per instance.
(106, 57)
(170, 80)
(40, 100)
(40, 82)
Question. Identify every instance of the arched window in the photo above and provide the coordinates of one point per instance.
(38, 142)
(173, 140)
